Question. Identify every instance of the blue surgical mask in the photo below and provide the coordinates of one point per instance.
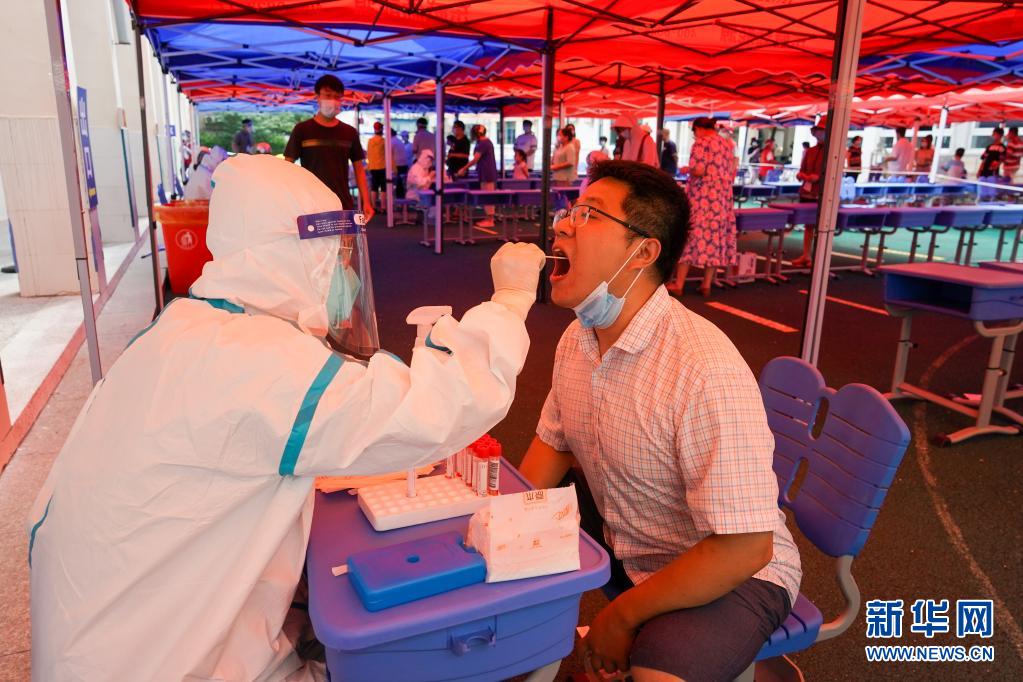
(601, 308)
(344, 288)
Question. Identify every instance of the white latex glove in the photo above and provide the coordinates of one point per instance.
(516, 271)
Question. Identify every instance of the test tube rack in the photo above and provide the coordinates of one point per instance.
(388, 506)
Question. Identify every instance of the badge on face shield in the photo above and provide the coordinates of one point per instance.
(330, 224)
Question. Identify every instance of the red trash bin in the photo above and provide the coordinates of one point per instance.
(184, 237)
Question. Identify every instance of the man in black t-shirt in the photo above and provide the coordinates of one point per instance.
(325, 145)
(991, 159)
(459, 154)
(241, 143)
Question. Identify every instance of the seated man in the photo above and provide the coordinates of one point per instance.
(666, 421)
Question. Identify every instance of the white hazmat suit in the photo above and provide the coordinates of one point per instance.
(170, 536)
(639, 144)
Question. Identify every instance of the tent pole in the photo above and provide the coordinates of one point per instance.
(438, 159)
(660, 116)
(72, 182)
(743, 145)
(154, 247)
(500, 137)
(939, 135)
(848, 31)
(196, 143)
(172, 163)
(546, 111)
(388, 161)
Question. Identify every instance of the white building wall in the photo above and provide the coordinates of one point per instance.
(31, 167)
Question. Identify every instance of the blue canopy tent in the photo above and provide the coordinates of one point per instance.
(960, 67)
(271, 65)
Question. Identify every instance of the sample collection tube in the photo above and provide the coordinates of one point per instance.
(479, 466)
(494, 470)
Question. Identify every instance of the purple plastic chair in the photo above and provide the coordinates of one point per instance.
(849, 466)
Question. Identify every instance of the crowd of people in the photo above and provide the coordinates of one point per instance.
(326, 146)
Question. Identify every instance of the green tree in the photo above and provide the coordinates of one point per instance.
(219, 128)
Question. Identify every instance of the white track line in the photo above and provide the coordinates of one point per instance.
(1003, 617)
(853, 304)
(771, 324)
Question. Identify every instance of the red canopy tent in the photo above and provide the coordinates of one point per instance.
(796, 36)
(589, 89)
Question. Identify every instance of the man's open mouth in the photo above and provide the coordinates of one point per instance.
(561, 264)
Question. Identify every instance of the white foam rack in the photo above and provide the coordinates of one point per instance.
(388, 506)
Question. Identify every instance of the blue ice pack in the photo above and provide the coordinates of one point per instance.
(398, 574)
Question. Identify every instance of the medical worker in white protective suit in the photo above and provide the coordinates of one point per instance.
(170, 536)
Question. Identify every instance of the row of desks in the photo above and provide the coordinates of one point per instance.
(466, 201)
(873, 190)
(778, 218)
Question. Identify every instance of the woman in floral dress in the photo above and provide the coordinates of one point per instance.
(711, 242)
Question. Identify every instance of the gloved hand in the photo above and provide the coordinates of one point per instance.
(516, 271)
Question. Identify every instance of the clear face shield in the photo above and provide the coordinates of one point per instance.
(351, 311)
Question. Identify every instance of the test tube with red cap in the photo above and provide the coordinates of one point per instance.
(467, 464)
(494, 469)
(480, 467)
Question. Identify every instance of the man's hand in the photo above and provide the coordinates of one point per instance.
(609, 641)
(369, 212)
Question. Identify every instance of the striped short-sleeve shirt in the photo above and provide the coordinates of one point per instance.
(671, 433)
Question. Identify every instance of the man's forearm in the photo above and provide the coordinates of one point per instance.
(360, 182)
(543, 466)
(712, 568)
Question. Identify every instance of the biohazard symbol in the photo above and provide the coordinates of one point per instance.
(186, 240)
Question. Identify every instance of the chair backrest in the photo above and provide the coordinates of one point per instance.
(849, 464)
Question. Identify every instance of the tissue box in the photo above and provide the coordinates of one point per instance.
(528, 534)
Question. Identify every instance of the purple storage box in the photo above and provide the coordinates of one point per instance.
(480, 632)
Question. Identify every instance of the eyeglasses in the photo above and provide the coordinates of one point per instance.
(579, 214)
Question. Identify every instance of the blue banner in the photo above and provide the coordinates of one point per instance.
(83, 130)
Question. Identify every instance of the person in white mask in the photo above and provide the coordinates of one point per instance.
(170, 535)
(639, 144)
(422, 175)
(666, 423)
(325, 146)
(199, 186)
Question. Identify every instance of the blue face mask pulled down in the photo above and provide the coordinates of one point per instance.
(344, 288)
(601, 308)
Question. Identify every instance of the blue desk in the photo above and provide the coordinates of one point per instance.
(759, 192)
(785, 187)
(1006, 218)
(868, 222)
(480, 198)
(453, 197)
(481, 632)
(918, 221)
(981, 295)
(516, 184)
(773, 222)
(802, 213)
(967, 220)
